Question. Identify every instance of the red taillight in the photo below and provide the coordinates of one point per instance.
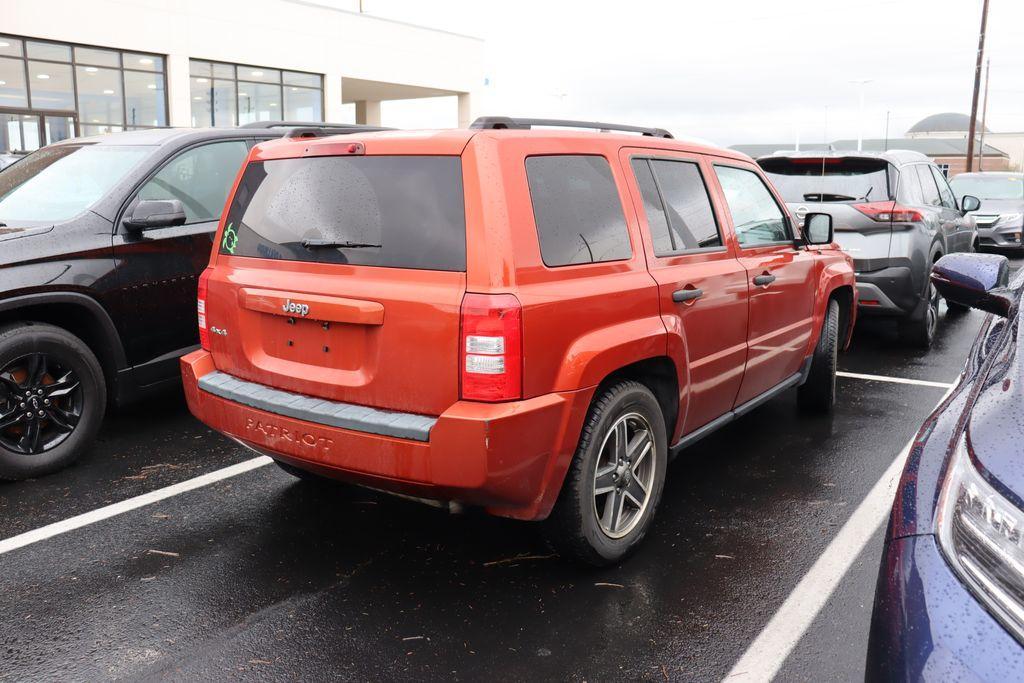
(204, 333)
(491, 351)
(889, 212)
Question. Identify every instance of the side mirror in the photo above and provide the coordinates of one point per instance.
(818, 228)
(155, 213)
(975, 280)
(969, 203)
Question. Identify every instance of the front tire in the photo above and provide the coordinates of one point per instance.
(52, 399)
(818, 393)
(615, 481)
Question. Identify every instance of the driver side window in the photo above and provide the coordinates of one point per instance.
(756, 217)
(200, 178)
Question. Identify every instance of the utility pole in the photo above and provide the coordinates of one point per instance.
(977, 86)
(984, 115)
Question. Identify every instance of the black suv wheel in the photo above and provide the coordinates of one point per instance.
(615, 481)
(52, 399)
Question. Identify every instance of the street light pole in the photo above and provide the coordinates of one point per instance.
(977, 86)
(984, 115)
(860, 121)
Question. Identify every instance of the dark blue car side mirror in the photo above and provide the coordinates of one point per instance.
(975, 280)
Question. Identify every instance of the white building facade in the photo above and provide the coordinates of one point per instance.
(109, 65)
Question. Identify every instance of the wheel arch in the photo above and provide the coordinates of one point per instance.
(79, 314)
(660, 375)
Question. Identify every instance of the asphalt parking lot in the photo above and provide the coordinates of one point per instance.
(261, 576)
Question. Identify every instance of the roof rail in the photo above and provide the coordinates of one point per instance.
(501, 122)
(314, 125)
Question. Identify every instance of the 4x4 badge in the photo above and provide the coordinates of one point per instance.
(292, 307)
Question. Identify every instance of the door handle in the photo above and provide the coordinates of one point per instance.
(682, 295)
(762, 280)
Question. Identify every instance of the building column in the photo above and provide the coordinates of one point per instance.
(465, 110)
(333, 108)
(179, 92)
(368, 112)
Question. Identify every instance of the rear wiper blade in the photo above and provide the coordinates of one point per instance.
(334, 244)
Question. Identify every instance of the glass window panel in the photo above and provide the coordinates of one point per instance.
(577, 210)
(98, 129)
(88, 55)
(10, 46)
(12, 83)
(200, 178)
(18, 132)
(258, 102)
(100, 98)
(300, 79)
(143, 62)
(51, 86)
(58, 128)
(213, 102)
(258, 73)
(145, 99)
(302, 104)
(51, 51)
(690, 216)
(224, 71)
(199, 68)
(756, 218)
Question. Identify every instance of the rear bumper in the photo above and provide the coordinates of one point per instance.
(510, 458)
(889, 291)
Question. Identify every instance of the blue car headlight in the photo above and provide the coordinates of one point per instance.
(981, 534)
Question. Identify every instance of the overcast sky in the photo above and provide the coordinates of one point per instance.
(730, 71)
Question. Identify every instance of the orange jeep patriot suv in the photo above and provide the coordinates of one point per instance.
(527, 320)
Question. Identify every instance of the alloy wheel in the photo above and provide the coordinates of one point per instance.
(41, 403)
(624, 475)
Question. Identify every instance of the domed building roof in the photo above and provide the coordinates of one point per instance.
(949, 122)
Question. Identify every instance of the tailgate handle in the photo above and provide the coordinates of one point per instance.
(312, 306)
(682, 295)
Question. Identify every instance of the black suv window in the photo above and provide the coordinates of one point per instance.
(200, 177)
(756, 217)
(577, 210)
(392, 211)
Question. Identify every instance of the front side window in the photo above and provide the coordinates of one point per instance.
(946, 195)
(910, 191)
(577, 210)
(56, 184)
(756, 217)
(929, 190)
(200, 178)
(388, 211)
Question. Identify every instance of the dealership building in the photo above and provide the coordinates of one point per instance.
(75, 69)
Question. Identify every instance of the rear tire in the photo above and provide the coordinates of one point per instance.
(615, 481)
(818, 393)
(918, 330)
(52, 399)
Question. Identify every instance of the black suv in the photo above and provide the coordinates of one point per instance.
(102, 241)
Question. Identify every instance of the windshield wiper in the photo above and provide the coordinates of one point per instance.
(334, 244)
(866, 194)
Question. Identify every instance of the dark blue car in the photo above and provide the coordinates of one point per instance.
(950, 598)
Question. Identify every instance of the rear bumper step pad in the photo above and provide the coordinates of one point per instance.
(318, 410)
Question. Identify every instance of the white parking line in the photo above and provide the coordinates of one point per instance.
(894, 380)
(77, 522)
(766, 655)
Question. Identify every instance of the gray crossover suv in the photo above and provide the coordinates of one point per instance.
(894, 213)
(1000, 218)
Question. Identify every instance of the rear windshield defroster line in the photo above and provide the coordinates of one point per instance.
(389, 211)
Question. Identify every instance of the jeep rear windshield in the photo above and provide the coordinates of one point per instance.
(391, 211)
(830, 179)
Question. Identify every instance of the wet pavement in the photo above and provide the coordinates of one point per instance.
(261, 576)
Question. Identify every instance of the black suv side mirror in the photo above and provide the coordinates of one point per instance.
(975, 280)
(969, 203)
(818, 228)
(155, 213)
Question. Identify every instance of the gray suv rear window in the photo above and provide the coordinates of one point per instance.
(390, 211)
(577, 210)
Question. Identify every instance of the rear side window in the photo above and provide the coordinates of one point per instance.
(910, 187)
(690, 223)
(945, 194)
(756, 217)
(390, 211)
(928, 187)
(577, 210)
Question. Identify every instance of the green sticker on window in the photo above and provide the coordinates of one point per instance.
(230, 241)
